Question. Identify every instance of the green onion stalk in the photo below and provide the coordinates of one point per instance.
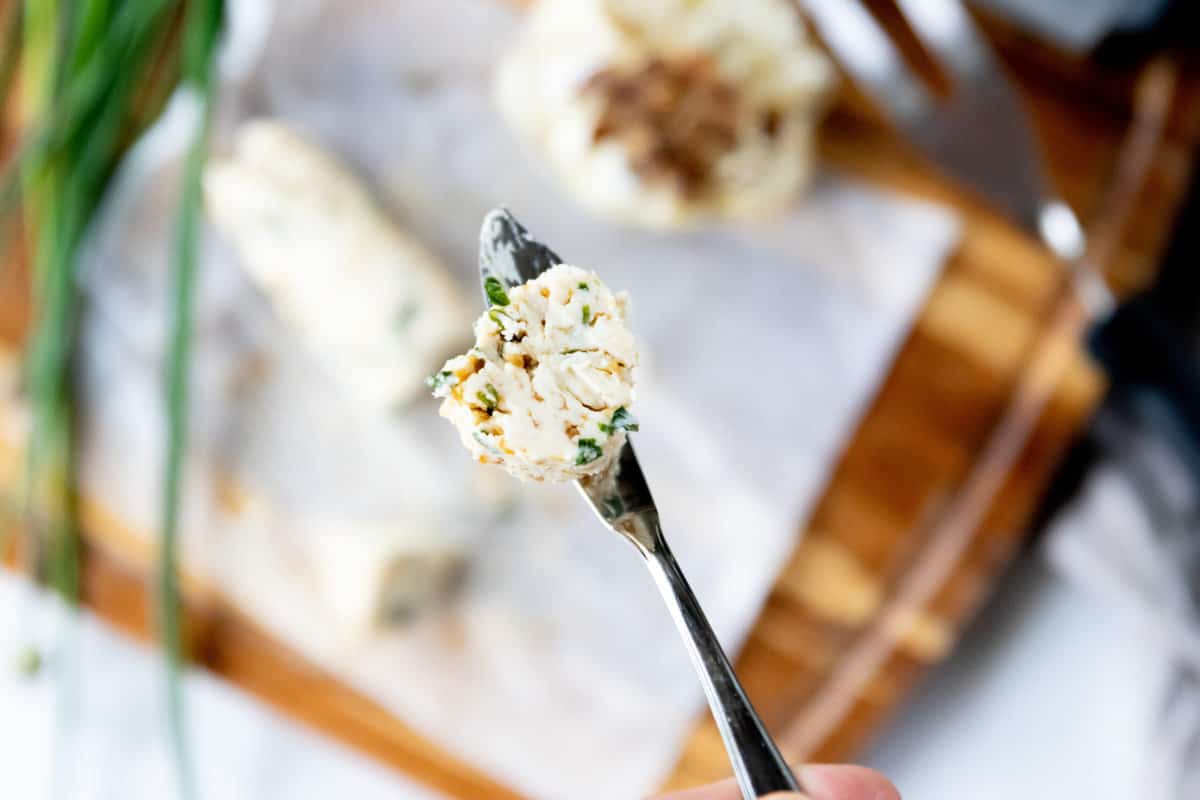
(199, 46)
(82, 79)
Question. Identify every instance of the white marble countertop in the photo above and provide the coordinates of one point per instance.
(1044, 699)
(106, 740)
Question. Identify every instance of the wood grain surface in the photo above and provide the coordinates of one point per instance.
(834, 651)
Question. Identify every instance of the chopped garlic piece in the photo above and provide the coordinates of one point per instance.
(546, 391)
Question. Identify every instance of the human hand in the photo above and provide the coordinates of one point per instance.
(831, 782)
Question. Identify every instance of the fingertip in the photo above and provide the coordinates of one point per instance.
(844, 782)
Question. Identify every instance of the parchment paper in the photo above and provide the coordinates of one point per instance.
(556, 668)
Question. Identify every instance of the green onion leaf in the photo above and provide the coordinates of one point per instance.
(622, 420)
(584, 286)
(93, 74)
(441, 381)
(589, 451)
(485, 442)
(495, 291)
(201, 31)
(587, 314)
(489, 397)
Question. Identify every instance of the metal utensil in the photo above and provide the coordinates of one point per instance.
(621, 499)
(979, 135)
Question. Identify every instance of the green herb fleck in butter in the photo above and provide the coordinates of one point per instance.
(495, 291)
(440, 382)
(589, 451)
(489, 397)
(622, 420)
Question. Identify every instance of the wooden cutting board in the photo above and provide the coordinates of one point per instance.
(890, 568)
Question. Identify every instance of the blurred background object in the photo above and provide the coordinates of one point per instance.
(686, 111)
(1109, 582)
(1081, 27)
(919, 308)
(84, 80)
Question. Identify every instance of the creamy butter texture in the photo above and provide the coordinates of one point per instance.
(547, 389)
(664, 113)
(362, 295)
